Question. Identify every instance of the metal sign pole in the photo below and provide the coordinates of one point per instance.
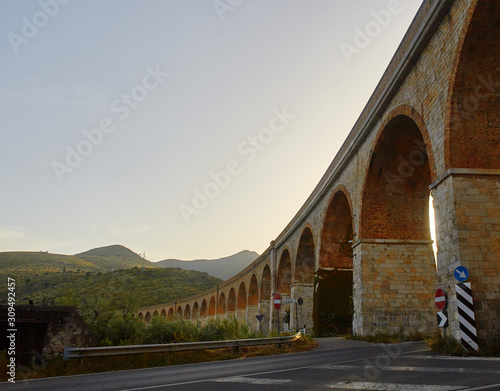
(278, 323)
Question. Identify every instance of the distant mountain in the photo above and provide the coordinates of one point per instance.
(223, 268)
(114, 257)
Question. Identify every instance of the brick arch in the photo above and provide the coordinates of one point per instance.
(221, 308)
(242, 296)
(196, 311)
(147, 318)
(203, 309)
(305, 262)
(337, 233)
(265, 284)
(141, 316)
(187, 312)
(179, 311)
(284, 276)
(395, 199)
(472, 124)
(231, 301)
(163, 313)
(170, 315)
(155, 314)
(211, 307)
(253, 291)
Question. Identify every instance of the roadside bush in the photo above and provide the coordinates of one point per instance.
(445, 345)
(161, 330)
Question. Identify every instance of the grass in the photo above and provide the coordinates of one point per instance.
(437, 343)
(449, 346)
(58, 367)
(445, 345)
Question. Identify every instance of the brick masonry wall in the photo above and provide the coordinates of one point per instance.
(393, 287)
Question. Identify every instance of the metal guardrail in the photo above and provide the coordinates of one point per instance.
(70, 352)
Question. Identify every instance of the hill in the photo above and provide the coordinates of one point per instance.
(118, 289)
(100, 259)
(114, 257)
(223, 268)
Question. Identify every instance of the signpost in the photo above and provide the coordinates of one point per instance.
(277, 301)
(461, 273)
(277, 306)
(442, 318)
(440, 299)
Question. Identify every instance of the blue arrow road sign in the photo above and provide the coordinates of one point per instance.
(461, 273)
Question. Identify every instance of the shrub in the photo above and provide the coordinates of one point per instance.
(445, 345)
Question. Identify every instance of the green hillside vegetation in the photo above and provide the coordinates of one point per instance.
(125, 289)
(39, 263)
(114, 257)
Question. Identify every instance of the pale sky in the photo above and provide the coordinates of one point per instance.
(259, 94)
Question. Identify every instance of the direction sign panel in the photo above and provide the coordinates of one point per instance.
(442, 318)
(288, 301)
(461, 273)
(440, 299)
(277, 301)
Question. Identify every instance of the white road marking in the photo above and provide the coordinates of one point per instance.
(251, 380)
(392, 387)
(483, 387)
(429, 357)
(410, 369)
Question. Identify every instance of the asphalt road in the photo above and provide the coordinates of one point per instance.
(335, 364)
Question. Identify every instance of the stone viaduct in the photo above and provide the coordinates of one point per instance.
(359, 251)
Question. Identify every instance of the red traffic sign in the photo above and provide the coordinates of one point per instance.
(440, 299)
(277, 301)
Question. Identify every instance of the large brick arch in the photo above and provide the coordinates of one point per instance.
(204, 309)
(305, 262)
(284, 279)
(472, 129)
(221, 309)
(231, 301)
(395, 200)
(265, 284)
(196, 311)
(211, 307)
(337, 234)
(163, 313)
(242, 296)
(187, 312)
(253, 291)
